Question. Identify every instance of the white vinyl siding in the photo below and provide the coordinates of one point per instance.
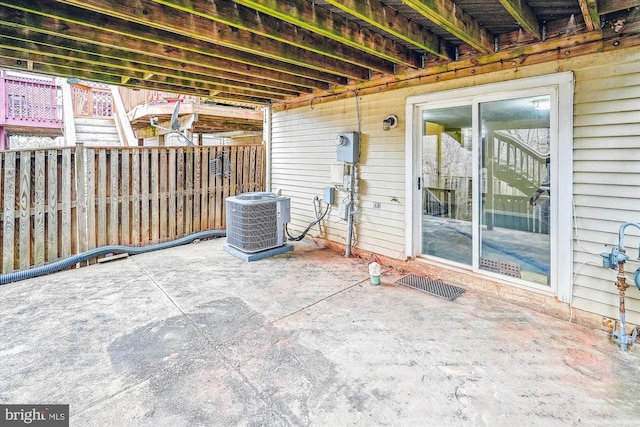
(304, 151)
(606, 179)
(606, 167)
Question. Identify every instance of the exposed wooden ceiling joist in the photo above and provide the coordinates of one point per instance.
(261, 51)
(41, 24)
(611, 6)
(590, 14)
(245, 19)
(306, 15)
(55, 70)
(54, 18)
(167, 57)
(525, 16)
(198, 27)
(56, 54)
(387, 19)
(455, 20)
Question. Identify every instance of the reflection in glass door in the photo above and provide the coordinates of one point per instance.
(515, 200)
(494, 171)
(446, 183)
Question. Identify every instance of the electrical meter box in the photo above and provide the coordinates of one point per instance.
(348, 147)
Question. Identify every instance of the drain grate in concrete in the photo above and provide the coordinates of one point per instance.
(433, 287)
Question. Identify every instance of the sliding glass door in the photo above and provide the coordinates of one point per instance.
(494, 216)
(490, 181)
(515, 203)
(446, 183)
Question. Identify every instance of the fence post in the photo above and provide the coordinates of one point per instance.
(8, 219)
(81, 191)
(4, 137)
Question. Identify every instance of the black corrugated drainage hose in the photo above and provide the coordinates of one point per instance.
(110, 249)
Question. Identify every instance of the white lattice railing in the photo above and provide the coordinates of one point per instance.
(92, 101)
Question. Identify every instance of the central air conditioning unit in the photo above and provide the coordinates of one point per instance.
(256, 221)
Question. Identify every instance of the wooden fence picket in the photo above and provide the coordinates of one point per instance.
(60, 202)
(8, 217)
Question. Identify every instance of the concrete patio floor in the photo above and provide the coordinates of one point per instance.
(192, 336)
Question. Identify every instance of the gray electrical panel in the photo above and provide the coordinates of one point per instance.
(328, 195)
(348, 147)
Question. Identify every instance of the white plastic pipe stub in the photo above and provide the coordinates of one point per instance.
(374, 272)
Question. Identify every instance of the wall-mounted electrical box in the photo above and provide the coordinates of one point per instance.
(343, 211)
(348, 147)
(347, 182)
(328, 195)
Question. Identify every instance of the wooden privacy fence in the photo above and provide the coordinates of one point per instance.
(60, 202)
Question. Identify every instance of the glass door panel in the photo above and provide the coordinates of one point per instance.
(515, 203)
(446, 183)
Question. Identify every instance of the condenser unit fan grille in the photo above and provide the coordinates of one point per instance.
(255, 221)
(252, 227)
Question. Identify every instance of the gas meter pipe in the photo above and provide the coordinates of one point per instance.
(617, 258)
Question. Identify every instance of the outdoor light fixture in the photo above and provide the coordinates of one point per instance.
(390, 122)
(73, 80)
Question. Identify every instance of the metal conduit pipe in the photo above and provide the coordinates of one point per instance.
(110, 249)
(350, 205)
(353, 189)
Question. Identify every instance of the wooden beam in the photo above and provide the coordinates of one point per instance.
(27, 40)
(610, 6)
(109, 76)
(56, 55)
(246, 19)
(550, 51)
(133, 78)
(17, 64)
(387, 19)
(525, 16)
(202, 110)
(307, 15)
(456, 21)
(216, 87)
(45, 60)
(590, 14)
(196, 27)
(214, 124)
(62, 20)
